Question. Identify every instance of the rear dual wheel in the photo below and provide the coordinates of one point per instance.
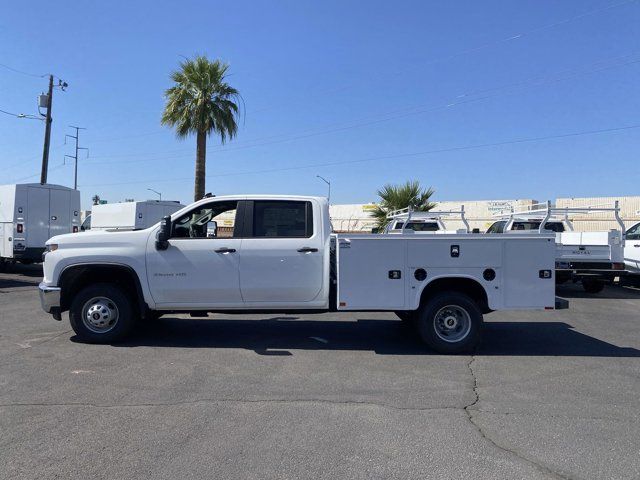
(450, 323)
(592, 286)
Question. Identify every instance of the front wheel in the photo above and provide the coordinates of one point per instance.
(101, 313)
(450, 323)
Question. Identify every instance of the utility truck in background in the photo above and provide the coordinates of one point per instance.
(632, 251)
(32, 213)
(129, 215)
(282, 256)
(407, 220)
(592, 258)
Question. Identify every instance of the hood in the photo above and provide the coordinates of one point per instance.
(101, 237)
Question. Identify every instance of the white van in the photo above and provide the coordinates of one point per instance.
(30, 214)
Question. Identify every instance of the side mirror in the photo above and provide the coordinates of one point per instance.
(82, 229)
(212, 229)
(162, 238)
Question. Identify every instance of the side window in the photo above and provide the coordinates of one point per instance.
(212, 220)
(634, 232)
(282, 219)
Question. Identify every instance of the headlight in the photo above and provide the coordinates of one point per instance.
(51, 247)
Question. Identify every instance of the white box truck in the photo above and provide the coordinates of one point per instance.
(129, 215)
(283, 257)
(30, 214)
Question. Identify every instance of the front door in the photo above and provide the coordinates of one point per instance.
(200, 267)
(632, 249)
(282, 255)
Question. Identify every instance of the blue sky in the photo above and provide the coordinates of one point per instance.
(347, 90)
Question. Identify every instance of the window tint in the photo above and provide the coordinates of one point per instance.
(634, 232)
(282, 219)
(535, 225)
(212, 220)
(497, 227)
(418, 226)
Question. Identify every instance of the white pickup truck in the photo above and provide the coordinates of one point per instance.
(409, 221)
(592, 258)
(282, 257)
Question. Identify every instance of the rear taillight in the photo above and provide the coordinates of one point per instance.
(20, 228)
(617, 266)
(75, 229)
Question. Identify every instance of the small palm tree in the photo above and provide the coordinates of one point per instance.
(394, 197)
(201, 103)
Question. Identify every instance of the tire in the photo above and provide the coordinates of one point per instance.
(101, 313)
(406, 316)
(451, 322)
(592, 286)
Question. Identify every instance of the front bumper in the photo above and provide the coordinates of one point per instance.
(50, 299)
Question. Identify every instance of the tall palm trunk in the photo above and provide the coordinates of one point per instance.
(201, 166)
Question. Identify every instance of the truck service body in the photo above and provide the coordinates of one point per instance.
(129, 215)
(283, 257)
(32, 213)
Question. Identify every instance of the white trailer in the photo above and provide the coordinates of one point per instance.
(129, 215)
(32, 213)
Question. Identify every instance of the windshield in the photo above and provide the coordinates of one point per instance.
(418, 226)
(535, 225)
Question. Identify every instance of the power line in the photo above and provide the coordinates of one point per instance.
(458, 100)
(438, 60)
(22, 71)
(394, 156)
(489, 44)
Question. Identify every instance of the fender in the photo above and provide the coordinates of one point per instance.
(467, 284)
(67, 281)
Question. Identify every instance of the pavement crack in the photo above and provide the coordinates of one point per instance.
(229, 400)
(510, 451)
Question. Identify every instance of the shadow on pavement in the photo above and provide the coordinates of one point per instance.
(14, 283)
(280, 335)
(611, 292)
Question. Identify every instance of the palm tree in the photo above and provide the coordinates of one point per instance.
(201, 103)
(394, 197)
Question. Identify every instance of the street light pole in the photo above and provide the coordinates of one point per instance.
(328, 183)
(156, 192)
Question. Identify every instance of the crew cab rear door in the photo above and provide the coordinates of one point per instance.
(282, 254)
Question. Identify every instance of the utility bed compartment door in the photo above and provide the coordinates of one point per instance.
(371, 272)
(527, 262)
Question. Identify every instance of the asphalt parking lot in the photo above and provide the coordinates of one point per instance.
(548, 395)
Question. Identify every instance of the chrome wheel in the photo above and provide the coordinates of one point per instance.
(100, 315)
(452, 323)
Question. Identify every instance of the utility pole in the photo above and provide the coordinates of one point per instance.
(47, 134)
(47, 128)
(75, 157)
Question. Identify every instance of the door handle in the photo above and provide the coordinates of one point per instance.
(225, 250)
(307, 250)
(637, 245)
